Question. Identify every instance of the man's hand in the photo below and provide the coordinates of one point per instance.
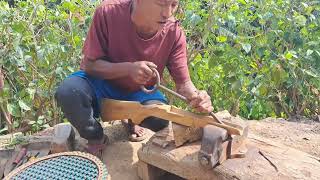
(141, 71)
(199, 100)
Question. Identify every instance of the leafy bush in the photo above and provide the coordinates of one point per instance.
(41, 44)
(255, 58)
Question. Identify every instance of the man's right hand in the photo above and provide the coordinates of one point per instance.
(141, 71)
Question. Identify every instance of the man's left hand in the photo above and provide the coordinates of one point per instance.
(200, 101)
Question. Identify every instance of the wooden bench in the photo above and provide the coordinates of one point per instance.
(264, 160)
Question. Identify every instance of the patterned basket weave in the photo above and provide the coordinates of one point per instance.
(67, 165)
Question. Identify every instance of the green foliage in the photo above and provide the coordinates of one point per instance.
(255, 58)
(258, 58)
(17, 139)
(41, 44)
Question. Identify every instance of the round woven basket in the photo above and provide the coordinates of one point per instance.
(66, 165)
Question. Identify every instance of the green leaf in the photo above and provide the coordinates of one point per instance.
(195, 19)
(13, 110)
(16, 124)
(3, 129)
(278, 75)
(70, 6)
(46, 126)
(300, 20)
(260, 51)
(18, 27)
(40, 122)
(31, 122)
(70, 69)
(263, 90)
(221, 39)
(242, 2)
(309, 52)
(236, 85)
(31, 91)
(310, 73)
(291, 54)
(288, 55)
(246, 47)
(24, 106)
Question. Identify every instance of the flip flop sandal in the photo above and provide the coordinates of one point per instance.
(134, 137)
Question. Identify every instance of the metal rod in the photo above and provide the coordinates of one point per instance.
(215, 117)
(185, 99)
(158, 85)
(173, 92)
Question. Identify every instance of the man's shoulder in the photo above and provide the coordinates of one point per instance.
(114, 2)
(110, 4)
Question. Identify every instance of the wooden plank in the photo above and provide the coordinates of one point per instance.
(148, 172)
(183, 134)
(117, 110)
(264, 160)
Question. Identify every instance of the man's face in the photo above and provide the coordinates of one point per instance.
(157, 12)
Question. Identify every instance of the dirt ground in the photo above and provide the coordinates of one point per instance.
(304, 136)
(121, 158)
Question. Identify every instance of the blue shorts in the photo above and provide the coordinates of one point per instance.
(103, 89)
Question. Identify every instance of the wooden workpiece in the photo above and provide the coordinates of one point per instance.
(117, 110)
(264, 160)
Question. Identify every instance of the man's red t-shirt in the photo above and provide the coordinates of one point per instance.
(112, 37)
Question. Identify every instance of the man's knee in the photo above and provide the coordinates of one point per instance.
(75, 97)
(63, 94)
(72, 90)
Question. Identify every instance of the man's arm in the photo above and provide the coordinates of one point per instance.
(187, 89)
(199, 100)
(139, 71)
(107, 70)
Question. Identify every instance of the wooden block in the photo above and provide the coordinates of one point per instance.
(148, 172)
(63, 139)
(183, 134)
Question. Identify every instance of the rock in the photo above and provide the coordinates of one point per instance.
(63, 139)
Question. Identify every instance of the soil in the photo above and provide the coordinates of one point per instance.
(121, 158)
(303, 135)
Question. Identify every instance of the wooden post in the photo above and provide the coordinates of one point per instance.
(148, 172)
